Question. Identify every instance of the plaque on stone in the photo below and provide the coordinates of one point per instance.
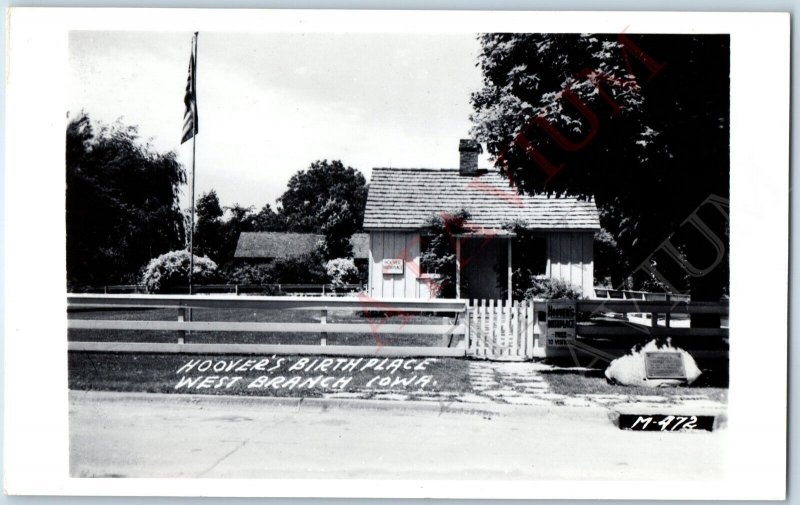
(664, 365)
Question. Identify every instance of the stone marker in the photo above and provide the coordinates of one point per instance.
(654, 366)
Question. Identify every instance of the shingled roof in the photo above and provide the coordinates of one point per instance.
(404, 198)
(270, 245)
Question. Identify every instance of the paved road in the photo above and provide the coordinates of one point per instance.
(150, 435)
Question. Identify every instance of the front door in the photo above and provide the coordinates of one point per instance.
(483, 270)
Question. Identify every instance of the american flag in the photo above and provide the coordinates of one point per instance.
(190, 126)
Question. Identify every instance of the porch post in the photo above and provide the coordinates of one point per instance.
(510, 270)
(458, 267)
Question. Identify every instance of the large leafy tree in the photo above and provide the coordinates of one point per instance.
(640, 123)
(268, 220)
(311, 194)
(209, 226)
(217, 228)
(121, 202)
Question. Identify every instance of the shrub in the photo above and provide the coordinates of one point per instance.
(247, 274)
(438, 255)
(304, 269)
(342, 271)
(548, 288)
(169, 272)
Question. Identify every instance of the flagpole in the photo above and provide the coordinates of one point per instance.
(191, 234)
(192, 104)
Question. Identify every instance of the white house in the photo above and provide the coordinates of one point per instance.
(401, 200)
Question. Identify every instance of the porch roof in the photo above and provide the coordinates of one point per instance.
(404, 198)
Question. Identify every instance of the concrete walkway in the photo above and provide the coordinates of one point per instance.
(155, 435)
(521, 383)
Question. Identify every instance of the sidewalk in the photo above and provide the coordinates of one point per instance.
(522, 383)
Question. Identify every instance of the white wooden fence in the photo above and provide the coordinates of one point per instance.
(377, 322)
(493, 329)
(502, 330)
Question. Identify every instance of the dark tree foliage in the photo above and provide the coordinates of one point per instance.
(208, 226)
(268, 220)
(217, 228)
(121, 203)
(638, 122)
(305, 205)
(304, 269)
(240, 219)
(338, 225)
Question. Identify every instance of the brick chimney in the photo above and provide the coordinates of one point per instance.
(469, 150)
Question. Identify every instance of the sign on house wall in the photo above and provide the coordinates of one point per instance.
(560, 323)
(392, 266)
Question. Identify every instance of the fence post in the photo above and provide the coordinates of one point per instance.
(669, 311)
(181, 319)
(324, 320)
(468, 326)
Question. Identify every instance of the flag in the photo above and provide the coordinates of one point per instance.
(190, 126)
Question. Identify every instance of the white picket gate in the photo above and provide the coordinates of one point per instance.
(501, 330)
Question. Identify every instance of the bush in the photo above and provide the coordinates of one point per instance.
(342, 271)
(438, 255)
(169, 273)
(549, 289)
(304, 269)
(247, 274)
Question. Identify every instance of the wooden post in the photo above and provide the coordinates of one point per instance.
(324, 320)
(515, 336)
(458, 267)
(490, 335)
(669, 312)
(510, 270)
(370, 266)
(468, 333)
(181, 318)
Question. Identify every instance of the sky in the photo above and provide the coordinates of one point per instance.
(270, 104)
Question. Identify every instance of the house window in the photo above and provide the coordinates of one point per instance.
(426, 255)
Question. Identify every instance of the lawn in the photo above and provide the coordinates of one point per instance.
(571, 381)
(163, 373)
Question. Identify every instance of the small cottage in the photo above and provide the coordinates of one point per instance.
(559, 231)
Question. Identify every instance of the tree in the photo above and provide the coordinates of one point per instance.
(640, 123)
(338, 224)
(121, 202)
(208, 228)
(303, 204)
(217, 228)
(268, 220)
